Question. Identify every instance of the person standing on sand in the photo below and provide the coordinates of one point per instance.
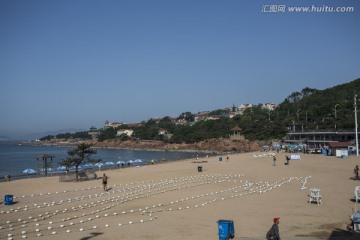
(287, 160)
(356, 172)
(274, 160)
(104, 181)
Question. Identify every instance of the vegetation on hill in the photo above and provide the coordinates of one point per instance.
(308, 109)
(82, 135)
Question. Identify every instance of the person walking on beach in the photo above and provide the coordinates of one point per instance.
(287, 160)
(104, 181)
(274, 160)
(356, 172)
(274, 233)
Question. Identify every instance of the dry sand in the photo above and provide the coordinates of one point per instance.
(175, 201)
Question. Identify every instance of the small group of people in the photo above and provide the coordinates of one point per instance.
(287, 160)
(7, 178)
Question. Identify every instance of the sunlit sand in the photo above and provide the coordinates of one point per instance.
(175, 201)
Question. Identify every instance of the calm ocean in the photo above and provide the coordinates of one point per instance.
(14, 158)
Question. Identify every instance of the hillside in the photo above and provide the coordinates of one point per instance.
(308, 109)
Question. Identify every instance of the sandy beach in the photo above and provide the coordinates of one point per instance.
(175, 201)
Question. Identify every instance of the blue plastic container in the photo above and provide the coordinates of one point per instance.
(8, 199)
(220, 158)
(226, 229)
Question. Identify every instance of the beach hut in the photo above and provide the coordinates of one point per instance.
(42, 162)
(339, 149)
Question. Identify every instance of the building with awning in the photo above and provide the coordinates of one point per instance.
(339, 149)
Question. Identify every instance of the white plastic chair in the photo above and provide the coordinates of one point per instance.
(315, 196)
(357, 193)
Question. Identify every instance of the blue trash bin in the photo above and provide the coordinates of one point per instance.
(226, 229)
(220, 158)
(8, 199)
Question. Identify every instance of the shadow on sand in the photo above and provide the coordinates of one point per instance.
(92, 235)
(340, 234)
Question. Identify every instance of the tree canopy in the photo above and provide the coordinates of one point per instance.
(81, 154)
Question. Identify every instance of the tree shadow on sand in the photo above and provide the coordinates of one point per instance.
(92, 235)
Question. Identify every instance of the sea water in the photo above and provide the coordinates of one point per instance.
(15, 158)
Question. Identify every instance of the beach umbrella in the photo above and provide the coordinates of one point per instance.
(48, 169)
(99, 164)
(109, 163)
(138, 161)
(120, 162)
(130, 161)
(88, 165)
(61, 168)
(29, 171)
(74, 167)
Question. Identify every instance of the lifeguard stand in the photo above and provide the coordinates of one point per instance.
(44, 164)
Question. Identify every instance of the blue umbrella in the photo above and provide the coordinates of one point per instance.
(138, 161)
(109, 163)
(29, 171)
(120, 162)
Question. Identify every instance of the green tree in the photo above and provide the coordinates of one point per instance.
(167, 124)
(109, 133)
(81, 154)
(187, 116)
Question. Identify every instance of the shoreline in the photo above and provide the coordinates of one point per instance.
(114, 167)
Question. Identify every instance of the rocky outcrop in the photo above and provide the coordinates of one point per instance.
(211, 145)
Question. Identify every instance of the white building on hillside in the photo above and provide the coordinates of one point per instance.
(269, 106)
(128, 132)
(243, 107)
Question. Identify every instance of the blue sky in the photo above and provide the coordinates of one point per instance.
(74, 64)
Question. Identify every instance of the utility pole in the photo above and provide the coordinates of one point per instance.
(335, 115)
(356, 131)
